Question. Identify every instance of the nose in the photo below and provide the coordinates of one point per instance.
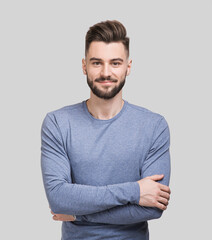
(105, 71)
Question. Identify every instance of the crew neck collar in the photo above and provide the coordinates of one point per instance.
(104, 120)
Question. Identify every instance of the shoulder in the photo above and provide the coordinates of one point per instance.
(63, 115)
(66, 111)
(148, 120)
(143, 113)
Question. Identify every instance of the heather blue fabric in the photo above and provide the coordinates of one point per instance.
(90, 169)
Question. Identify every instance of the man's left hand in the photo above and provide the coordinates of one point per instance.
(62, 217)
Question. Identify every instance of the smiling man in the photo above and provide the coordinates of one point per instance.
(106, 162)
(106, 73)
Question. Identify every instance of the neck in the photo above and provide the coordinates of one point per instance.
(105, 108)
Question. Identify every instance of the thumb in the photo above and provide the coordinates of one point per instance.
(156, 177)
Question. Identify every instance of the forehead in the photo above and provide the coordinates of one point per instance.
(107, 50)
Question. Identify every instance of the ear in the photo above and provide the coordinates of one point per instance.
(129, 67)
(84, 66)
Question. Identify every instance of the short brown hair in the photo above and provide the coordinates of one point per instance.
(107, 31)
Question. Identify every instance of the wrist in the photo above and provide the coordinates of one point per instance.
(78, 218)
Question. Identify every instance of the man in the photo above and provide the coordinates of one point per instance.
(106, 162)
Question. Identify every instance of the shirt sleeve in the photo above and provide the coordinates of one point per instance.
(157, 161)
(65, 197)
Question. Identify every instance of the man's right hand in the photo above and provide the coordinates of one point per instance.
(152, 193)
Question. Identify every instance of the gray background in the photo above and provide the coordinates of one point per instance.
(41, 47)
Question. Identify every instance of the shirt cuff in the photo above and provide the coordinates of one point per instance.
(78, 218)
(136, 188)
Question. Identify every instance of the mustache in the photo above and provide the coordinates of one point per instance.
(105, 79)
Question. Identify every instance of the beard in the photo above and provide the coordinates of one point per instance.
(105, 94)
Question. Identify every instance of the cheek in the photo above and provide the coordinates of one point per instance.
(93, 73)
(120, 73)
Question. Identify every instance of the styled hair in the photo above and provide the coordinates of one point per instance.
(107, 31)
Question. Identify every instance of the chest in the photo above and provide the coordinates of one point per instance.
(105, 155)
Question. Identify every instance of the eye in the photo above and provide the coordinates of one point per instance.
(116, 64)
(96, 63)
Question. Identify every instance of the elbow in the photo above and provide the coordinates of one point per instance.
(54, 204)
(55, 207)
(58, 202)
(157, 213)
(59, 207)
(154, 213)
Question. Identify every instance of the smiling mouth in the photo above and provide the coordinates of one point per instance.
(106, 82)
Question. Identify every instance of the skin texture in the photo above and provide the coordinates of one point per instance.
(104, 62)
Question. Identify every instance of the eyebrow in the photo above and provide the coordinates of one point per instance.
(99, 59)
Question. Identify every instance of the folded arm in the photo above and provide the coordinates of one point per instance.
(156, 162)
(66, 197)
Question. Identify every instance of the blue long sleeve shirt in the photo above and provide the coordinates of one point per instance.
(91, 166)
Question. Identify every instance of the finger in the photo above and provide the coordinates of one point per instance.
(156, 177)
(55, 218)
(165, 188)
(165, 195)
(161, 206)
(52, 213)
(164, 201)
